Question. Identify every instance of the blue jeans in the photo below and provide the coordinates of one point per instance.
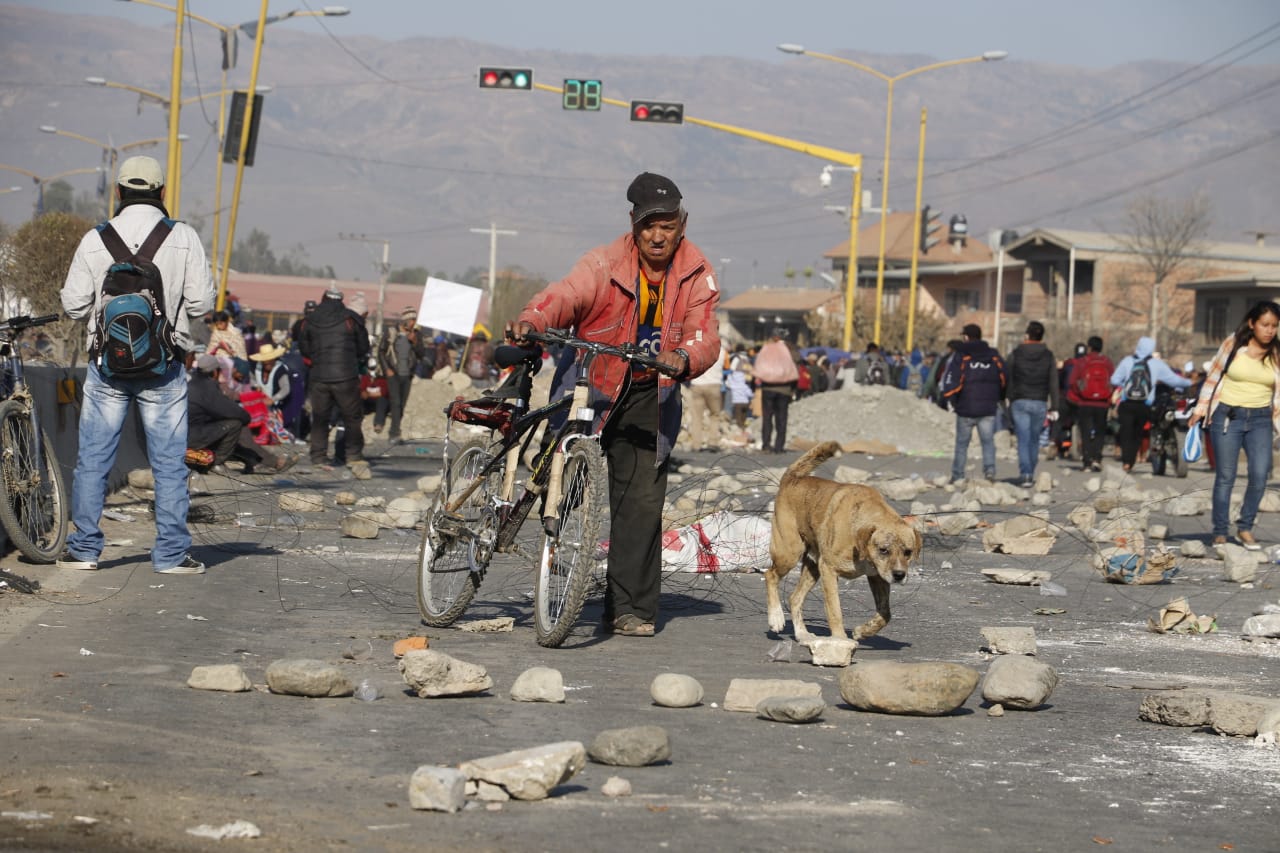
(1231, 429)
(162, 407)
(986, 436)
(1028, 423)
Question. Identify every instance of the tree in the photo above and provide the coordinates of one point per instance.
(56, 197)
(408, 275)
(34, 268)
(1165, 235)
(254, 254)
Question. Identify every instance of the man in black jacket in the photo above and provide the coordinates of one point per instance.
(216, 422)
(973, 385)
(335, 344)
(1033, 395)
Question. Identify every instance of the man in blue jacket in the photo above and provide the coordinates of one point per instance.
(973, 386)
(1138, 392)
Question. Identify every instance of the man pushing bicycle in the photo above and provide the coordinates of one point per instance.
(655, 289)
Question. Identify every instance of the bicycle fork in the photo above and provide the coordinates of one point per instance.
(582, 415)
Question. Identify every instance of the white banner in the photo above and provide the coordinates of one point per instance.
(449, 306)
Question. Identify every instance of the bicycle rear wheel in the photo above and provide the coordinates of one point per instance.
(569, 557)
(33, 500)
(457, 546)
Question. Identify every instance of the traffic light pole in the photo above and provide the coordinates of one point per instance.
(915, 244)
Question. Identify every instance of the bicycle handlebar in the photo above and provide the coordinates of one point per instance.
(17, 324)
(627, 352)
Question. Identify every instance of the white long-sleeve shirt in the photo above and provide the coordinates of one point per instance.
(188, 285)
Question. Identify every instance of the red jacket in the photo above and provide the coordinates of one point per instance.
(598, 298)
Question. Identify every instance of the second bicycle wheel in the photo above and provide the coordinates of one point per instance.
(33, 499)
(457, 545)
(569, 557)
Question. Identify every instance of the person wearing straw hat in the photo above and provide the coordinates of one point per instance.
(400, 349)
(270, 376)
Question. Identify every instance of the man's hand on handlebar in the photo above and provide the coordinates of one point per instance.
(518, 333)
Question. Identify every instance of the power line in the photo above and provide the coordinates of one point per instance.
(1115, 110)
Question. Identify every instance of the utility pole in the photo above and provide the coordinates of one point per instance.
(383, 268)
(494, 232)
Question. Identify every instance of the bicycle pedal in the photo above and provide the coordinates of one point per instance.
(449, 524)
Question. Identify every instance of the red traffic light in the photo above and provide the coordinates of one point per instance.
(662, 111)
(506, 78)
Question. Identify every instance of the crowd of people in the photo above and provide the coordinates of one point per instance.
(240, 396)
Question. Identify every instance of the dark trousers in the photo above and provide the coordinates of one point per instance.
(1134, 415)
(637, 489)
(1093, 432)
(398, 390)
(231, 439)
(773, 411)
(346, 396)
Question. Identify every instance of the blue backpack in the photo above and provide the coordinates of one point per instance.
(133, 339)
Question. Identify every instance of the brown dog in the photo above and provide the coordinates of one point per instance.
(839, 531)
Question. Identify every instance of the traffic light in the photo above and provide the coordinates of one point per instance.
(581, 94)
(662, 111)
(506, 78)
(928, 225)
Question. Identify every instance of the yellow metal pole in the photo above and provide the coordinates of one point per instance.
(915, 241)
(244, 144)
(884, 213)
(217, 181)
(173, 173)
(851, 269)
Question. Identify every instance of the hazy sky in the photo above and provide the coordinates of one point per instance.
(1095, 33)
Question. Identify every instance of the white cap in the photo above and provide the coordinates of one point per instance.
(140, 173)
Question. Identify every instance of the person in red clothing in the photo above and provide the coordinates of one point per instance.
(653, 288)
(1092, 399)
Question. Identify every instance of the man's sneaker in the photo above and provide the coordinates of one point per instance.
(188, 566)
(71, 561)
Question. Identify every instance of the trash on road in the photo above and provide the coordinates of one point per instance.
(1020, 577)
(1176, 617)
(235, 829)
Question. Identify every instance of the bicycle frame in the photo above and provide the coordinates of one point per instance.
(21, 392)
(546, 472)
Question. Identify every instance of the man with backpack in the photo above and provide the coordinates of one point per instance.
(973, 386)
(138, 279)
(1137, 376)
(1089, 391)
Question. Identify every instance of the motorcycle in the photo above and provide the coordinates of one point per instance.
(1168, 429)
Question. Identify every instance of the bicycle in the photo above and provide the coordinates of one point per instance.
(477, 511)
(33, 495)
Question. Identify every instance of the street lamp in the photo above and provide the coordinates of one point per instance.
(989, 56)
(175, 181)
(110, 153)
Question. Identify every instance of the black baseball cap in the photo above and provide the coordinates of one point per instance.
(650, 194)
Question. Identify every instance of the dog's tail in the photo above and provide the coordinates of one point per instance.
(811, 461)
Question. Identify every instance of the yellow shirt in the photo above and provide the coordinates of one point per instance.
(1248, 382)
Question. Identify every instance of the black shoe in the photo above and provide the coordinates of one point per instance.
(188, 566)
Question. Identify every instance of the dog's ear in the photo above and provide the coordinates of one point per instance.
(862, 542)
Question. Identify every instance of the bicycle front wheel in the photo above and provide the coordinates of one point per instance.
(569, 557)
(33, 498)
(456, 546)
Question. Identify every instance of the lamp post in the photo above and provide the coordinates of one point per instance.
(111, 153)
(228, 34)
(989, 56)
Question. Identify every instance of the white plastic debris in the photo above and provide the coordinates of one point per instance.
(85, 652)
(197, 618)
(235, 829)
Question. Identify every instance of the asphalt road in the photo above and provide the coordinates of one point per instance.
(96, 721)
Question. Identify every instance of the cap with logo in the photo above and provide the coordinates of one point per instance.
(140, 173)
(652, 194)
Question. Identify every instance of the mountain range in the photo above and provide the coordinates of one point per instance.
(394, 140)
